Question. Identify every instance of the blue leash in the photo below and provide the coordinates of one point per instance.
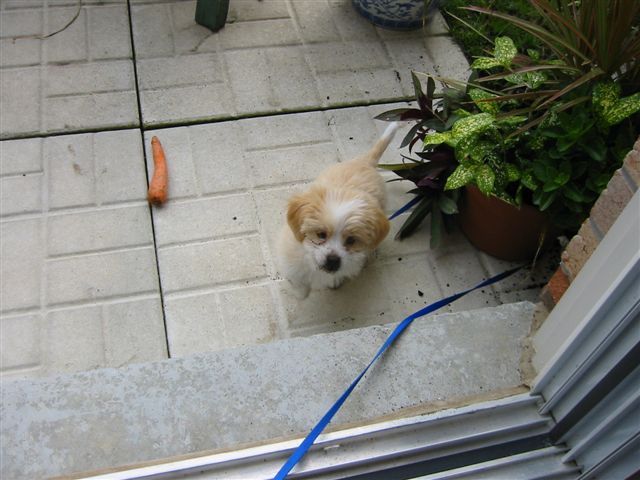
(406, 206)
(324, 421)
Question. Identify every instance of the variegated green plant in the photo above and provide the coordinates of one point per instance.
(550, 126)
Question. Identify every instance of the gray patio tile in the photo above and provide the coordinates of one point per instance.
(448, 60)
(27, 188)
(19, 54)
(457, 266)
(114, 334)
(186, 102)
(21, 157)
(69, 45)
(247, 11)
(258, 85)
(250, 316)
(194, 324)
(352, 55)
(96, 169)
(147, 19)
(315, 21)
(210, 264)
(285, 165)
(156, 73)
(89, 77)
(285, 130)
(267, 33)
(74, 112)
(211, 321)
(100, 229)
(351, 25)
(26, 352)
(273, 56)
(79, 275)
(206, 218)
(20, 93)
(272, 204)
(132, 331)
(107, 28)
(21, 252)
(80, 78)
(78, 331)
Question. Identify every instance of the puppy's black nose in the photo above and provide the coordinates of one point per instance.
(332, 263)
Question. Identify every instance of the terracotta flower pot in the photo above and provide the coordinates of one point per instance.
(500, 229)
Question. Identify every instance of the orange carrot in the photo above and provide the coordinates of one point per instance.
(157, 193)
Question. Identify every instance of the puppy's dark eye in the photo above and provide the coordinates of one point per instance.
(350, 241)
(322, 235)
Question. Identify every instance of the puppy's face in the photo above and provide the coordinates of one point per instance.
(337, 228)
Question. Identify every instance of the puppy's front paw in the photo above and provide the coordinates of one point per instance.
(337, 283)
(300, 291)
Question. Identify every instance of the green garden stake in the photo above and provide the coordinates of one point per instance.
(212, 13)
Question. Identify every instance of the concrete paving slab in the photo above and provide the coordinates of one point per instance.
(216, 235)
(276, 56)
(113, 417)
(79, 275)
(79, 79)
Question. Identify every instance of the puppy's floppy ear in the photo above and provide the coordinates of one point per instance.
(381, 227)
(305, 207)
(295, 214)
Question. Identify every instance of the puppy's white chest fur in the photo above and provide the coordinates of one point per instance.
(334, 226)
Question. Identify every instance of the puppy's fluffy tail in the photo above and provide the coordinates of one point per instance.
(373, 156)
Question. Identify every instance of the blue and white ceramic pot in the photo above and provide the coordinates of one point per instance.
(392, 14)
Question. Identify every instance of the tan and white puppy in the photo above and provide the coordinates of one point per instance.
(334, 226)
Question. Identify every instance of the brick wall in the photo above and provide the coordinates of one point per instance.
(604, 213)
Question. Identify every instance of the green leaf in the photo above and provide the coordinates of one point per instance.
(543, 172)
(462, 113)
(534, 54)
(595, 147)
(475, 124)
(572, 193)
(513, 172)
(504, 51)
(460, 177)
(417, 88)
(610, 107)
(478, 96)
(447, 205)
(479, 151)
(485, 63)
(544, 199)
(534, 79)
(437, 138)
(468, 148)
(516, 78)
(511, 120)
(484, 178)
(528, 181)
(415, 219)
(431, 87)
(410, 135)
(400, 114)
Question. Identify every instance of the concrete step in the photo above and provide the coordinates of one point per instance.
(112, 417)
